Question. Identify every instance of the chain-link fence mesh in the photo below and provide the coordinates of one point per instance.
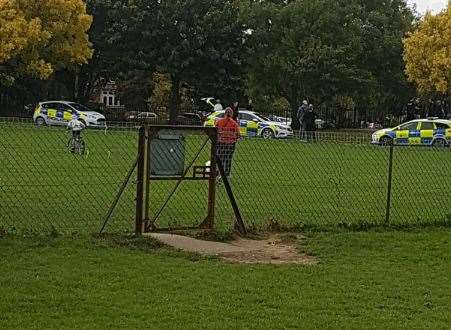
(44, 186)
(333, 180)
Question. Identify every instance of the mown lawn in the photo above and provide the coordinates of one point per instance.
(297, 185)
(364, 280)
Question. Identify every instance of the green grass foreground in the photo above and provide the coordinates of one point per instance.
(366, 280)
(296, 185)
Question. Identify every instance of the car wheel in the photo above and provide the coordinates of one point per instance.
(267, 133)
(40, 122)
(386, 141)
(439, 143)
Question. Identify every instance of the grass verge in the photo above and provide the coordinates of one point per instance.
(364, 280)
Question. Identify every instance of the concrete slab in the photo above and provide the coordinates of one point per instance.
(197, 246)
(272, 250)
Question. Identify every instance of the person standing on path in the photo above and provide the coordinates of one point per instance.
(228, 135)
(300, 115)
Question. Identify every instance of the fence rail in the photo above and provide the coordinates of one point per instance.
(336, 180)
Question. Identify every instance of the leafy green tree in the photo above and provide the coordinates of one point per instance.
(323, 50)
(195, 42)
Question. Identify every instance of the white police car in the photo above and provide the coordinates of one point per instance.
(253, 124)
(59, 113)
(430, 132)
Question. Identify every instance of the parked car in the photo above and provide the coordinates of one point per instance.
(141, 116)
(431, 132)
(193, 119)
(254, 124)
(278, 119)
(59, 113)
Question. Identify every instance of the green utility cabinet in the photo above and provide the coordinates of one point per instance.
(167, 155)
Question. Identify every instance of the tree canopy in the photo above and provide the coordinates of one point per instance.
(326, 50)
(427, 54)
(39, 37)
(344, 55)
(197, 42)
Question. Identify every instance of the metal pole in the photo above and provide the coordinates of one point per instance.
(209, 221)
(389, 186)
(239, 224)
(140, 183)
(147, 175)
(118, 195)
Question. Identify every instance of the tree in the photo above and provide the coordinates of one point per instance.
(304, 48)
(161, 91)
(384, 24)
(427, 54)
(39, 37)
(322, 50)
(195, 42)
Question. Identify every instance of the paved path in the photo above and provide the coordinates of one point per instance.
(194, 245)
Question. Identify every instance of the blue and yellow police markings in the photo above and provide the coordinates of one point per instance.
(416, 136)
(249, 128)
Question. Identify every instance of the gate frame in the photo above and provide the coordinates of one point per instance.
(147, 133)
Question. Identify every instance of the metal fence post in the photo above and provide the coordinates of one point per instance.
(209, 220)
(140, 183)
(389, 185)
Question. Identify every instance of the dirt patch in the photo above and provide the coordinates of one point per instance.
(273, 249)
(276, 249)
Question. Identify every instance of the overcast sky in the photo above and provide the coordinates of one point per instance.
(434, 5)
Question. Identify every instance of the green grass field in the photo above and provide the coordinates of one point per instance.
(290, 183)
(366, 280)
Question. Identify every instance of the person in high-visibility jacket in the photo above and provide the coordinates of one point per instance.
(228, 135)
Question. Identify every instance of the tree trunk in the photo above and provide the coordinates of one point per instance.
(294, 102)
(76, 84)
(174, 101)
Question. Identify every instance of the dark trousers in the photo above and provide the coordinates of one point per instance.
(225, 151)
(302, 134)
(76, 135)
(311, 136)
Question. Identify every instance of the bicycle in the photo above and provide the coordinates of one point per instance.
(76, 145)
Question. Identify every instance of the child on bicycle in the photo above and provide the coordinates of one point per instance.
(76, 126)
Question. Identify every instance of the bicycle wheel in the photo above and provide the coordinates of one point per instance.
(71, 144)
(81, 147)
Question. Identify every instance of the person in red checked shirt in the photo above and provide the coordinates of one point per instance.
(228, 135)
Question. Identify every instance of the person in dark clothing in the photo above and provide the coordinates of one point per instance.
(440, 110)
(235, 109)
(309, 122)
(300, 115)
(410, 110)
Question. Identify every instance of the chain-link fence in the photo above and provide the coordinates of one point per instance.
(45, 186)
(334, 180)
(327, 183)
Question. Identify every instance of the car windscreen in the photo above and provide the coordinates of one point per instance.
(262, 117)
(79, 107)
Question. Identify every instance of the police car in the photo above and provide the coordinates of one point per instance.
(431, 132)
(59, 113)
(254, 124)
